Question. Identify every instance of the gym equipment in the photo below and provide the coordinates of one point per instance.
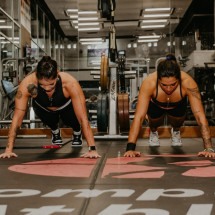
(104, 73)
(102, 112)
(123, 112)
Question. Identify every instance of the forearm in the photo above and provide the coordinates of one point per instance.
(134, 131)
(88, 134)
(206, 136)
(11, 138)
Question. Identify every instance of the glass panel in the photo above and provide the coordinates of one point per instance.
(34, 22)
(47, 37)
(53, 52)
(41, 41)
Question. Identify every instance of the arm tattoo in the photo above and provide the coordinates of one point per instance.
(32, 89)
(205, 131)
(12, 135)
(19, 94)
(194, 92)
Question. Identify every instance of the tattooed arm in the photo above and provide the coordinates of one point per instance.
(21, 101)
(198, 111)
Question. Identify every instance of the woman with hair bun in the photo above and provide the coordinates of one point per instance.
(55, 95)
(165, 93)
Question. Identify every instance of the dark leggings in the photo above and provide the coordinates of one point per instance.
(51, 118)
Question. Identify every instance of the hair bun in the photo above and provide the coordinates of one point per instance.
(170, 57)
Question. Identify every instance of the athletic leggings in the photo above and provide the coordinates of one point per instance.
(51, 118)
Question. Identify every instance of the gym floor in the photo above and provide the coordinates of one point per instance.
(162, 181)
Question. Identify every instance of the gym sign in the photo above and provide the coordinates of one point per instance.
(147, 198)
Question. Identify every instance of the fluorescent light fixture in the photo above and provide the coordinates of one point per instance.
(87, 18)
(158, 9)
(147, 41)
(90, 39)
(91, 43)
(134, 45)
(88, 29)
(2, 21)
(156, 15)
(5, 26)
(150, 37)
(154, 20)
(152, 26)
(87, 12)
(74, 16)
(88, 23)
(72, 10)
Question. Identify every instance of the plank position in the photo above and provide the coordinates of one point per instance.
(55, 95)
(165, 93)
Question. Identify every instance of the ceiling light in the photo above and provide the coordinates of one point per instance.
(152, 26)
(5, 26)
(156, 15)
(88, 29)
(154, 20)
(90, 39)
(92, 42)
(150, 36)
(87, 12)
(2, 20)
(88, 23)
(73, 16)
(147, 41)
(72, 10)
(158, 9)
(87, 18)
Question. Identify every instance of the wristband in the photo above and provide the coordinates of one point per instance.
(209, 150)
(92, 148)
(130, 147)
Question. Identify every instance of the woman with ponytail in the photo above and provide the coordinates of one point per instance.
(55, 95)
(165, 93)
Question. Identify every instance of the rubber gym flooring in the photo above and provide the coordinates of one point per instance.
(162, 181)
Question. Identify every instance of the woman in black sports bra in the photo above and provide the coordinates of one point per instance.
(55, 95)
(165, 93)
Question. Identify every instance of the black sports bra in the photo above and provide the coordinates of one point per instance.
(57, 100)
(168, 105)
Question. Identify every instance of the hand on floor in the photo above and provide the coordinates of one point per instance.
(91, 154)
(206, 154)
(8, 155)
(132, 154)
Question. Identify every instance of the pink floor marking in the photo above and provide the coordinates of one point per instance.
(201, 172)
(157, 174)
(71, 167)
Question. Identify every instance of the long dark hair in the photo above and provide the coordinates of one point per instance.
(169, 68)
(46, 68)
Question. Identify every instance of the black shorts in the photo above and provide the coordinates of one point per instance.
(154, 111)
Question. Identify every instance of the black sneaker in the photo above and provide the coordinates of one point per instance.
(56, 137)
(77, 139)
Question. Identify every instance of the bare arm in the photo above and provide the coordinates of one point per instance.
(19, 112)
(78, 100)
(145, 94)
(198, 111)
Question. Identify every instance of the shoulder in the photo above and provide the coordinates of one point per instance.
(66, 77)
(68, 81)
(187, 81)
(151, 80)
(149, 84)
(29, 79)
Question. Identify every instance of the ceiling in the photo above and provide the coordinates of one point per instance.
(127, 17)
